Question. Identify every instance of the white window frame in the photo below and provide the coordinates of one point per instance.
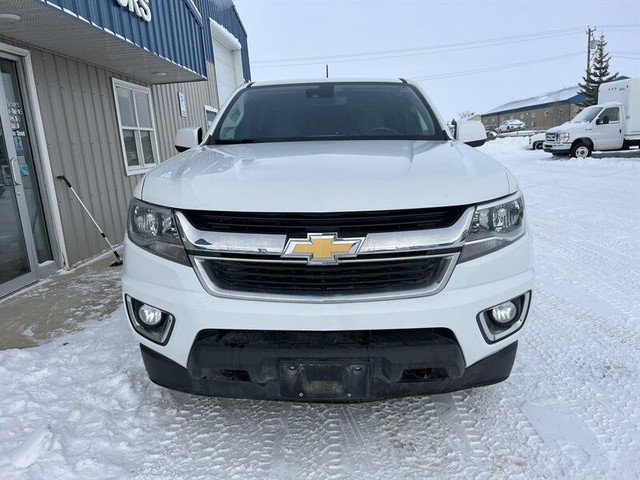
(140, 169)
(209, 108)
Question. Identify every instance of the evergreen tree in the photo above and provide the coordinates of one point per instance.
(596, 75)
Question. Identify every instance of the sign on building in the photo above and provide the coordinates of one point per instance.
(139, 7)
(183, 104)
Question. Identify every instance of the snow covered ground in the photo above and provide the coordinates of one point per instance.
(82, 407)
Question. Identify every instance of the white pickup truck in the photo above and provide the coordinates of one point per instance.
(613, 124)
(328, 241)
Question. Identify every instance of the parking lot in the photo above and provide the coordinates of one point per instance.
(569, 410)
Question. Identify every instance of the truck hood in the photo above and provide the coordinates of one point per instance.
(326, 176)
(570, 127)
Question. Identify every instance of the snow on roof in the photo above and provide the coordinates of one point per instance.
(549, 97)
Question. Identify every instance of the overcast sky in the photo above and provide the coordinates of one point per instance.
(418, 39)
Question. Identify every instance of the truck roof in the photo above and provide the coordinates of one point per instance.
(327, 80)
(621, 80)
(609, 104)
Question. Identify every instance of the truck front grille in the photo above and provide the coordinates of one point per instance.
(348, 278)
(342, 223)
(551, 137)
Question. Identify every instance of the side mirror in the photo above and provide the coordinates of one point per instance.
(187, 138)
(471, 132)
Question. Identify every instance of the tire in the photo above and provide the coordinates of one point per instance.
(580, 150)
(537, 146)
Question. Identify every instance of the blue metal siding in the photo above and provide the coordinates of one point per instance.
(174, 32)
(224, 12)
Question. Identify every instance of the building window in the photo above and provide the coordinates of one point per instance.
(521, 116)
(134, 109)
(210, 115)
(533, 114)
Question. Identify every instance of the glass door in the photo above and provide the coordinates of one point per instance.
(18, 260)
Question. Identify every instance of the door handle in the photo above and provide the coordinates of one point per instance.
(17, 178)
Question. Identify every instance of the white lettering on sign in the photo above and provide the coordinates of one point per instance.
(140, 7)
(183, 104)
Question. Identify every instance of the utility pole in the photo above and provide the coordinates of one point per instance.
(589, 40)
(326, 70)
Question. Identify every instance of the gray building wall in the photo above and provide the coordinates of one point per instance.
(78, 111)
(167, 108)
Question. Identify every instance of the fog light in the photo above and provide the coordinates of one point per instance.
(149, 321)
(504, 313)
(151, 316)
(498, 322)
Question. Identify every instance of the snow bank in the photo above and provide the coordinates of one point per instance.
(36, 445)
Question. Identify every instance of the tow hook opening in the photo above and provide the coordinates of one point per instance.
(500, 321)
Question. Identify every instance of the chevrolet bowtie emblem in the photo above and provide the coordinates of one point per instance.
(322, 248)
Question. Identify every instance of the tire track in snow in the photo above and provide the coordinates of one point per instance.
(573, 377)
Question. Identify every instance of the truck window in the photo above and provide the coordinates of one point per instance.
(613, 113)
(328, 111)
(587, 115)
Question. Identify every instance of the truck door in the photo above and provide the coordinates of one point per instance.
(607, 131)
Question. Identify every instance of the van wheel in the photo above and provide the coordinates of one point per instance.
(538, 146)
(581, 150)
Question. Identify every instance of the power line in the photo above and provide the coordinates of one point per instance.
(470, 47)
(628, 27)
(419, 50)
(495, 68)
(445, 48)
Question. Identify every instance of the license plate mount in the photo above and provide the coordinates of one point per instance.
(334, 380)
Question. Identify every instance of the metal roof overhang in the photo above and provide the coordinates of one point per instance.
(64, 33)
(568, 101)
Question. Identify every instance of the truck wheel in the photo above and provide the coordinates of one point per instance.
(581, 150)
(538, 145)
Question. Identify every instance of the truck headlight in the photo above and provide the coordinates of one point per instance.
(494, 226)
(154, 228)
(564, 137)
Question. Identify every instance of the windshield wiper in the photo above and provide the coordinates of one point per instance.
(231, 141)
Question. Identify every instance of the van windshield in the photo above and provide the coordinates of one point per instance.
(587, 115)
(327, 111)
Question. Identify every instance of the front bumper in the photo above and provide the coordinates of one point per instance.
(328, 374)
(562, 148)
(474, 286)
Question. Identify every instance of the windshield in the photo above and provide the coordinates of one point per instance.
(587, 115)
(327, 111)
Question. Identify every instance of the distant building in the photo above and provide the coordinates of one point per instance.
(539, 113)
